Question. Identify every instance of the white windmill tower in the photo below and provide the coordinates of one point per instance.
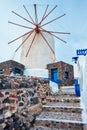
(38, 48)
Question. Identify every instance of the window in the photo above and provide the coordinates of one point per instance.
(1, 71)
(66, 75)
(17, 70)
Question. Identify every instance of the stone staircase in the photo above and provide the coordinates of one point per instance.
(61, 112)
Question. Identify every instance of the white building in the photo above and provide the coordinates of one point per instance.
(80, 73)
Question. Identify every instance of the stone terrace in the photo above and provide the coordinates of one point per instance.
(61, 112)
(27, 103)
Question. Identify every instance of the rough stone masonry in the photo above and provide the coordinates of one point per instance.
(21, 100)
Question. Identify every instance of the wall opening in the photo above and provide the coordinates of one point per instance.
(54, 74)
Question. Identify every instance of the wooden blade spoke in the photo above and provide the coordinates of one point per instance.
(47, 42)
(48, 13)
(54, 36)
(55, 32)
(31, 44)
(28, 14)
(19, 37)
(22, 17)
(36, 18)
(53, 20)
(19, 25)
(59, 32)
(58, 38)
(44, 14)
(24, 40)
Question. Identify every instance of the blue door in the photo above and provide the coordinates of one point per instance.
(54, 75)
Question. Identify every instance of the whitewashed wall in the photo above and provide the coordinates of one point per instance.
(84, 92)
(40, 53)
(79, 70)
(80, 73)
(36, 72)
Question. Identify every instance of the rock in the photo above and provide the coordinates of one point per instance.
(9, 126)
(13, 95)
(1, 86)
(8, 85)
(12, 100)
(6, 100)
(23, 85)
(1, 127)
(1, 111)
(19, 98)
(34, 100)
(21, 104)
(7, 114)
(12, 108)
(3, 81)
(1, 121)
(35, 109)
(30, 118)
(31, 93)
(6, 93)
(19, 92)
(1, 94)
(5, 108)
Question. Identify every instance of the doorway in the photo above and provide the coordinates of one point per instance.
(54, 74)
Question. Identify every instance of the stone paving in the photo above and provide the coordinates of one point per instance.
(62, 104)
(61, 112)
(64, 98)
(58, 116)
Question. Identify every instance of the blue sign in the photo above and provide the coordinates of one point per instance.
(81, 52)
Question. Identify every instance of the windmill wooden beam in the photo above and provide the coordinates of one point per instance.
(38, 27)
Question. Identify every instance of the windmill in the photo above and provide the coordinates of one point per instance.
(37, 43)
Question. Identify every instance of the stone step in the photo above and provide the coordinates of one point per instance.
(60, 127)
(67, 90)
(59, 121)
(62, 107)
(60, 93)
(64, 98)
(46, 128)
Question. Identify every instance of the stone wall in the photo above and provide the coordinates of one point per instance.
(21, 96)
(9, 66)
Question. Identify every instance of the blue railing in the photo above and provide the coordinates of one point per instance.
(77, 87)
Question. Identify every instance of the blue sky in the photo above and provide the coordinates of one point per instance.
(74, 22)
